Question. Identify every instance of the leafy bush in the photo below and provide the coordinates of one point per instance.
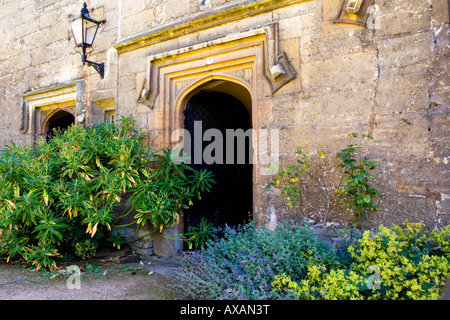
(413, 263)
(319, 284)
(408, 262)
(243, 263)
(347, 187)
(57, 193)
(357, 193)
(85, 249)
(163, 193)
(197, 236)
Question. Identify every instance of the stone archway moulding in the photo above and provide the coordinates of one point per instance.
(40, 105)
(209, 56)
(251, 58)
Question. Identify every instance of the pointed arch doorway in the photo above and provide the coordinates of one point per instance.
(59, 120)
(225, 148)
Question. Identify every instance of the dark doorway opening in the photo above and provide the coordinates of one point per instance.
(231, 200)
(59, 121)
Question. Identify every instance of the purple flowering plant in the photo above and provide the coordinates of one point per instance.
(243, 263)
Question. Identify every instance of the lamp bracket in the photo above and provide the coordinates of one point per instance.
(99, 67)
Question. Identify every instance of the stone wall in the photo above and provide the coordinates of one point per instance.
(38, 52)
(391, 81)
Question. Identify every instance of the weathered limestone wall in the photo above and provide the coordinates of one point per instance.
(391, 82)
(38, 52)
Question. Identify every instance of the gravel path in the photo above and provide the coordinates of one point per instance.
(144, 279)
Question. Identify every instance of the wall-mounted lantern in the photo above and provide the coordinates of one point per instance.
(84, 30)
(354, 12)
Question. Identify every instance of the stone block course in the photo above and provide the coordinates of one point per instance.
(403, 89)
(439, 132)
(406, 49)
(400, 136)
(399, 17)
(345, 69)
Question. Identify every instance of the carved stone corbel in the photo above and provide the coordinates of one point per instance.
(281, 72)
(354, 12)
(148, 96)
(278, 70)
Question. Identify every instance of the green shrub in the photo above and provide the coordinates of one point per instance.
(85, 249)
(197, 236)
(243, 263)
(357, 192)
(320, 284)
(291, 263)
(413, 263)
(63, 191)
(347, 186)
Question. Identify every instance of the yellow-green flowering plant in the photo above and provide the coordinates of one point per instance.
(413, 261)
(319, 284)
(410, 263)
